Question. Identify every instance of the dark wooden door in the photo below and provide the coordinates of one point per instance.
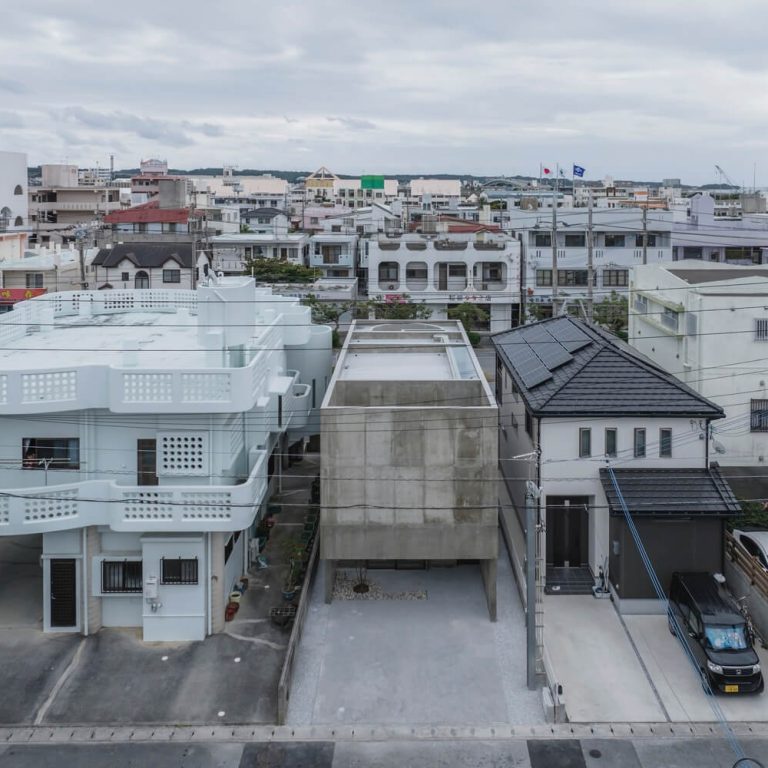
(63, 592)
(567, 532)
(146, 462)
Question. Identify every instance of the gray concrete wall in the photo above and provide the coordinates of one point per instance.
(460, 393)
(92, 548)
(409, 483)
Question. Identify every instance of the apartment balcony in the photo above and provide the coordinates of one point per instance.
(91, 205)
(140, 508)
(479, 293)
(299, 404)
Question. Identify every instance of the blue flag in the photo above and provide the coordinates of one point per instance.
(578, 171)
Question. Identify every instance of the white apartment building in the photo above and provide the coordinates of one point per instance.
(617, 246)
(436, 193)
(446, 270)
(140, 432)
(707, 324)
(334, 254)
(699, 233)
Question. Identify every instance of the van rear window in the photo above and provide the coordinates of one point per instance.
(726, 638)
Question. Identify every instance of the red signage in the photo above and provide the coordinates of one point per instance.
(12, 295)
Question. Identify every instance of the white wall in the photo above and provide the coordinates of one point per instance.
(13, 173)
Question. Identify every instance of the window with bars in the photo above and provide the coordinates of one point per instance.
(761, 329)
(121, 576)
(178, 570)
(758, 415)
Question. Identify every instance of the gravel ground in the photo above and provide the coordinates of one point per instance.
(430, 655)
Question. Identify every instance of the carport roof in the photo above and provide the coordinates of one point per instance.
(693, 492)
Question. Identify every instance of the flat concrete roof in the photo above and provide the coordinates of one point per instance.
(396, 365)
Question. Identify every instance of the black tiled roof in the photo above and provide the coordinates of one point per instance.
(670, 492)
(599, 376)
(146, 255)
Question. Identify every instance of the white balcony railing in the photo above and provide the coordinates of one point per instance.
(162, 508)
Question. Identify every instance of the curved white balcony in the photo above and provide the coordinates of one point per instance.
(160, 508)
(299, 404)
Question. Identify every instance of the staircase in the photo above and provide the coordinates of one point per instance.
(569, 581)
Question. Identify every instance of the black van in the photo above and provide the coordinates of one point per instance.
(716, 633)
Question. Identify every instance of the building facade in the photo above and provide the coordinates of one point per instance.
(139, 459)
(444, 271)
(408, 440)
(582, 415)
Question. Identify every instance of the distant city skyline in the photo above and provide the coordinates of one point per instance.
(635, 91)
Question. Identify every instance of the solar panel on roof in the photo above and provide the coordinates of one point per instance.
(527, 364)
(571, 337)
(546, 346)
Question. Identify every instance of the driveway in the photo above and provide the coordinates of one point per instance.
(428, 656)
(678, 684)
(593, 659)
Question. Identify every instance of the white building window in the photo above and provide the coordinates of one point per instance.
(585, 443)
(761, 329)
(121, 576)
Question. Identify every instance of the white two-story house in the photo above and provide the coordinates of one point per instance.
(581, 416)
(140, 432)
(446, 270)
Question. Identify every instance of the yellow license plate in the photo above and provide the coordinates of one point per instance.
(731, 688)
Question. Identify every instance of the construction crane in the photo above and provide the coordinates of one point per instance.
(724, 176)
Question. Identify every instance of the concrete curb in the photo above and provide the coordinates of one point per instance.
(367, 733)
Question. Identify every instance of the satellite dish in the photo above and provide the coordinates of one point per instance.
(718, 446)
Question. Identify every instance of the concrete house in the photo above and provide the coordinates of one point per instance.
(574, 400)
(408, 439)
(140, 433)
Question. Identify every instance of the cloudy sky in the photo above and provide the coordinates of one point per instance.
(634, 89)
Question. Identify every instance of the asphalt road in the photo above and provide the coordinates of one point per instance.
(514, 753)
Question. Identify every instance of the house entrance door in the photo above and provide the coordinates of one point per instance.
(567, 531)
(63, 592)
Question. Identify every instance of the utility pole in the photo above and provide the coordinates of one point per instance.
(530, 583)
(554, 243)
(590, 264)
(645, 233)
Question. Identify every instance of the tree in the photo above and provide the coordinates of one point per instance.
(470, 315)
(397, 308)
(613, 313)
(328, 313)
(274, 271)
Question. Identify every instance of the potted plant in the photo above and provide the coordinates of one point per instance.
(294, 550)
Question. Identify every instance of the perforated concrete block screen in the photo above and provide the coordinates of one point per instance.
(182, 453)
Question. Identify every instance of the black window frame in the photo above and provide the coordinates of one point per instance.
(615, 433)
(125, 277)
(171, 275)
(665, 443)
(616, 278)
(614, 240)
(585, 442)
(542, 240)
(39, 446)
(186, 571)
(115, 577)
(577, 240)
(640, 454)
(650, 240)
(543, 278)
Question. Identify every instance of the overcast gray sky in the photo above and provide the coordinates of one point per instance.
(639, 89)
